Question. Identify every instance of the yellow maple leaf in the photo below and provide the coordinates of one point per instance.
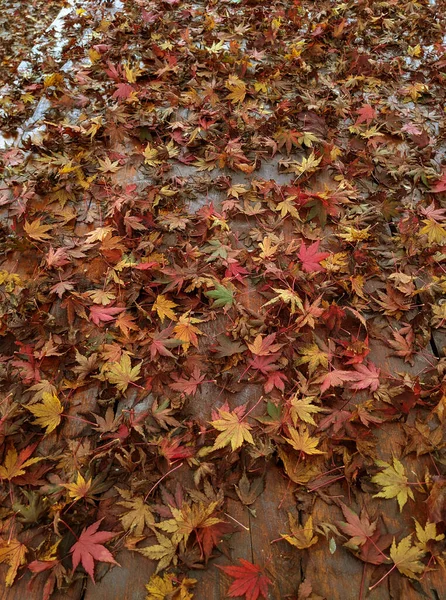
(394, 482)
(233, 429)
(426, 534)
(13, 553)
(138, 514)
(168, 588)
(15, 464)
(435, 232)
(122, 374)
(164, 307)
(237, 87)
(186, 332)
(313, 356)
(80, 489)
(37, 231)
(304, 409)
(48, 412)
(301, 537)
(189, 519)
(407, 557)
(287, 297)
(287, 207)
(150, 155)
(165, 552)
(267, 248)
(302, 441)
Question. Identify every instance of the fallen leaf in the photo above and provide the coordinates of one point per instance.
(89, 547)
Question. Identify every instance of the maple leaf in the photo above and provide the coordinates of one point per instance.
(188, 386)
(365, 376)
(164, 307)
(313, 356)
(79, 489)
(100, 314)
(249, 580)
(302, 441)
(161, 341)
(233, 429)
(164, 552)
(267, 248)
(288, 207)
(262, 346)
(89, 548)
(168, 587)
(48, 412)
(427, 534)
(287, 297)
(287, 138)
(187, 332)
(36, 231)
(335, 378)
(15, 464)
(138, 514)
(264, 364)
(227, 347)
(435, 232)
(237, 89)
(406, 557)
(301, 537)
(310, 257)
(189, 519)
(359, 528)
(366, 114)
(304, 409)
(403, 345)
(440, 185)
(12, 552)
(222, 296)
(275, 379)
(101, 296)
(394, 482)
(122, 374)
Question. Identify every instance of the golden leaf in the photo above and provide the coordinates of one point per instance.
(301, 537)
(12, 552)
(80, 489)
(394, 482)
(302, 441)
(407, 557)
(233, 429)
(122, 374)
(164, 307)
(48, 412)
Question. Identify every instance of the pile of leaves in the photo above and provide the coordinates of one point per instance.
(223, 231)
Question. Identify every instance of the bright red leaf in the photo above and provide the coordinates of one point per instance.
(249, 580)
(311, 258)
(89, 548)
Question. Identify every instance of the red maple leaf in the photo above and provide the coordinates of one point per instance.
(335, 378)
(360, 529)
(264, 364)
(100, 314)
(366, 114)
(311, 258)
(365, 377)
(440, 185)
(187, 386)
(276, 379)
(123, 91)
(249, 580)
(89, 548)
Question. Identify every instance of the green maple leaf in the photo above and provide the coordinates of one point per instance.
(222, 296)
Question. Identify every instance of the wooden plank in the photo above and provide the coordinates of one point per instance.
(124, 583)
